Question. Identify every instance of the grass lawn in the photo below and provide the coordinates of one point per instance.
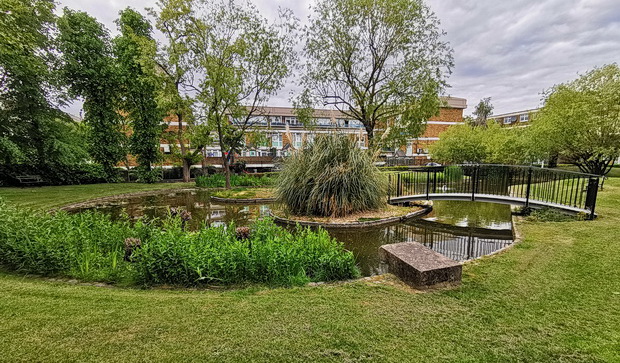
(50, 197)
(553, 298)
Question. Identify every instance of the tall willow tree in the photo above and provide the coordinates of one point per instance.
(381, 62)
(133, 48)
(244, 60)
(90, 72)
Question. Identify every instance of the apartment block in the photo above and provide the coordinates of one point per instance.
(284, 133)
(515, 119)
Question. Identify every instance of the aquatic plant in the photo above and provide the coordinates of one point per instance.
(90, 246)
(331, 177)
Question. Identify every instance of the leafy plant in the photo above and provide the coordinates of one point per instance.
(331, 177)
(91, 246)
(219, 181)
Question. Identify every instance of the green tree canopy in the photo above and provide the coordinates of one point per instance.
(173, 69)
(244, 61)
(580, 120)
(133, 48)
(493, 144)
(30, 123)
(90, 71)
(381, 62)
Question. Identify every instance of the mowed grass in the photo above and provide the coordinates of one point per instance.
(553, 298)
(48, 197)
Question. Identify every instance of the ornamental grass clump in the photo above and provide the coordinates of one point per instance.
(331, 177)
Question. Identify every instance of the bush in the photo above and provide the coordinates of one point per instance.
(55, 174)
(270, 255)
(244, 180)
(450, 174)
(331, 177)
(149, 176)
(90, 246)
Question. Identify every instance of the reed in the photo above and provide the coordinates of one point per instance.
(331, 177)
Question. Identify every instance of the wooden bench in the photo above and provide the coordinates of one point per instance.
(419, 266)
(29, 179)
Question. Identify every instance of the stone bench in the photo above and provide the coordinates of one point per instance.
(419, 266)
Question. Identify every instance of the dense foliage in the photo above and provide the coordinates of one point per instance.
(492, 144)
(380, 62)
(580, 120)
(219, 180)
(34, 134)
(331, 177)
(139, 91)
(90, 246)
(89, 70)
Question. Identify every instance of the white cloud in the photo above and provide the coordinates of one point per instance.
(508, 50)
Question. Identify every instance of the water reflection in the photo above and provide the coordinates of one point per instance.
(459, 230)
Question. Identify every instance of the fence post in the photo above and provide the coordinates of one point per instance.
(428, 183)
(591, 195)
(398, 186)
(527, 189)
(474, 183)
(389, 190)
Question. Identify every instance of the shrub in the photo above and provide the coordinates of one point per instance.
(331, 177)
(149, 176)
(244, 180)
(91, 246)
(450, 174)
(56, 174)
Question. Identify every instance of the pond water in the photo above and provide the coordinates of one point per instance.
(456, 229)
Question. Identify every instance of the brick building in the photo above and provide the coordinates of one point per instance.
(285, 133)
(515, 119)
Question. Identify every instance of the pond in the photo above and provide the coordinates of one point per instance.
(459, 230)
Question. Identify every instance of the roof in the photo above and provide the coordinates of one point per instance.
(516, 113)
(452, 102)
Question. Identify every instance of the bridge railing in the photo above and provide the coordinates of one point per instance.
(527, 183)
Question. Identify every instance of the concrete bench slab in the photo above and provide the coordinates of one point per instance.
(419, 266)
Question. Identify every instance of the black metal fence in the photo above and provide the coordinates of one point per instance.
(528, 183)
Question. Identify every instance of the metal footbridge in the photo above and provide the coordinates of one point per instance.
(527, 186)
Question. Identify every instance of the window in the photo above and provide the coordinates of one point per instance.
(310, 137)
(258, 120)
(276, 140)
(524, 117)
(361, 142)
(297, 140)
(355, 123)
(275, 120)
(291, 120)
(409, 150)
(510, 119)
(323, 121)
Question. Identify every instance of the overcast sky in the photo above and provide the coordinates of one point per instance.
(508, 50)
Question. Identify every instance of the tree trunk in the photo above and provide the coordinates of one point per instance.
(186, 173)
(226, 165)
